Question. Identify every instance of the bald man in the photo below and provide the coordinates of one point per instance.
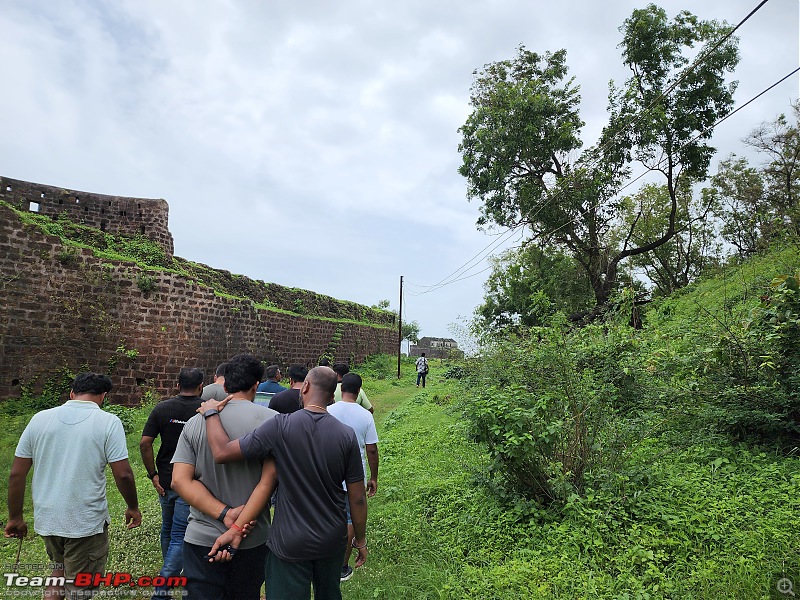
(314, 452)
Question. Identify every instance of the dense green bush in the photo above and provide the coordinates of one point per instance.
(543, 403)
(756, 368)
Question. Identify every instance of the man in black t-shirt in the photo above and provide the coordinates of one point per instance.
(289, 401)
(167, 421)
(314, 452)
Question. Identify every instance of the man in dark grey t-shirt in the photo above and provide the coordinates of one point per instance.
(314, 452)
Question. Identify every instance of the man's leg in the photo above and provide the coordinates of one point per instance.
(246, 575)
(419, 376)
(424, 376)
(55, 551)
(290, 579)
(173, 561)
(167, 503)
(326, 573)
(204, 580)
(84, 555)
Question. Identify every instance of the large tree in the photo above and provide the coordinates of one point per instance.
(521, 143)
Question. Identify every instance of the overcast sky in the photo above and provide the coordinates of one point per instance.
(315, 144)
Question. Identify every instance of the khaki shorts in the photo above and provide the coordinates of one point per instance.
(79, 555)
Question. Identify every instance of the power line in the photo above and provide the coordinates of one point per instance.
(697, 136)
(503, 237)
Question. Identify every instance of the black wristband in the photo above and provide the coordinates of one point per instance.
(221, 517)
(210, 413)
(151, 475)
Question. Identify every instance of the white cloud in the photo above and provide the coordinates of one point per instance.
(312, 144)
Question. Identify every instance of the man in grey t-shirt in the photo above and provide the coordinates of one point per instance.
(212, 490)
(314, 453)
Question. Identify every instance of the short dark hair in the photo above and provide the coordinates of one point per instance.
(324, 362)
(423, 354)
(243, 372)
(271, 372)
(91, 383)
(297, 372)
(351, 383)
(220, 372)
(189, 378)
(341, 368)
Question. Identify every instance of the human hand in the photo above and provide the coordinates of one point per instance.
(16, 528)
(133, 518)
(215, 404)
(372, 487)
(225, 546)
(157, 484)
(362, 556)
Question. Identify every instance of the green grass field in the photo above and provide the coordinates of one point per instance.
(710, 521)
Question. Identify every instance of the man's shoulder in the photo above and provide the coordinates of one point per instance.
(250, 410)
(164, 405)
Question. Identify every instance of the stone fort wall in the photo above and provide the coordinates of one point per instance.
(114, 214)
(62, 307)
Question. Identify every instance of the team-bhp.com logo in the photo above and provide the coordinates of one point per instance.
(94, 580)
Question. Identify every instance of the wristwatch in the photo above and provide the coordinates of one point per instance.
(210, 412)
(221, 517)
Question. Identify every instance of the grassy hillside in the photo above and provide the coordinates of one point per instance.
(674, 503)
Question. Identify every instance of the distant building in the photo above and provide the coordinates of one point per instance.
(435, 348)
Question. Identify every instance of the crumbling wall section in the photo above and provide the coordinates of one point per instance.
(114, 214)
(64, 307)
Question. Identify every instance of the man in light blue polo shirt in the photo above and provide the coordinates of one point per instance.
(69, 447)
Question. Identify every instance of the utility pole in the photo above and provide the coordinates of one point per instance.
(400, 327)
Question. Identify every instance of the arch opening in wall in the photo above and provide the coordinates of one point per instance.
(102, 225)
(33, 206)
(141, 229)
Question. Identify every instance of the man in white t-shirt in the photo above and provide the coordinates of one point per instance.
(69, 447)
(422, 369)
(361, 421)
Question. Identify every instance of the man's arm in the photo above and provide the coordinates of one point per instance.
(126, 484)
(16, 526)
(146, 449)
(198, 495)
(256, 504)
(358, 514)
(223, 449)
(372, 459)
(364, 401)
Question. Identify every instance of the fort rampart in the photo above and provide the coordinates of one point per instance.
(63, 307)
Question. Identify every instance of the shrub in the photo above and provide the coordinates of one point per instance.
(756, 367)
(541, 412)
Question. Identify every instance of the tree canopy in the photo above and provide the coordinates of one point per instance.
(521, 145)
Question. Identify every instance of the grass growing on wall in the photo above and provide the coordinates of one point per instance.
(150, 256)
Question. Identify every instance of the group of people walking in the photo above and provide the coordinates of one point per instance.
(223, 461)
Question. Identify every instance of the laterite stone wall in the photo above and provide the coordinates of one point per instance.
(62, 307)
